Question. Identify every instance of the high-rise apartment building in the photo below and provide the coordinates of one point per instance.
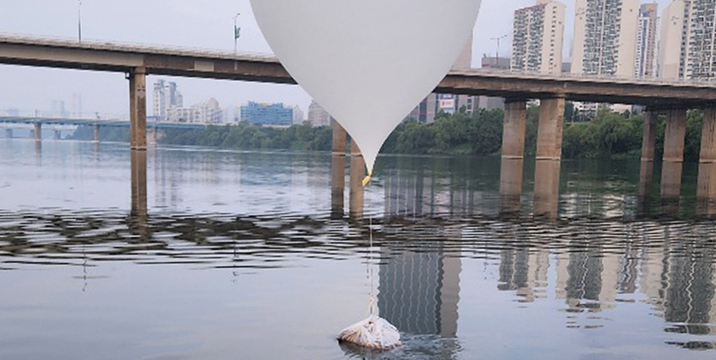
(689, 27)
(166, 98)
(538, 36)
(673, 39)
(298, 117)
(208, 112)
(700, 52)
(645, 62)
(317, 116)
(605, 34)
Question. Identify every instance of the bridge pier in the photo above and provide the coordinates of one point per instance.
(8, 133)
(57, 135)
(138, 108)
(673, 154)
(646, 174)
(139, 182)
(38, 131)
(513, 149)
(549, 156)
(338, 169)
(96, 132)
(706, 188)
(357, 174)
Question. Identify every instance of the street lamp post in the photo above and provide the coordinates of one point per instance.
(497, 53)
(237, 31)
(79, 20)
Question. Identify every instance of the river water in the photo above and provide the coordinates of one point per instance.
(241, 255)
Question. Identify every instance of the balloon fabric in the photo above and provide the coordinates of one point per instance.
(367, 62)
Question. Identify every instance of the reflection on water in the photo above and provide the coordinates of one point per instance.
(224, 254)
(593, 267)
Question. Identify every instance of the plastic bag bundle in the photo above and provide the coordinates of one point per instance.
(373, 333)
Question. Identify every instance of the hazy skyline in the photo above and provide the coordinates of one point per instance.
(181, 23)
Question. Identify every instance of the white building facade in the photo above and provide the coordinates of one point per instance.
(167, 98)
(538, 37)
(688, 26)
(605, 33)
(645, 61)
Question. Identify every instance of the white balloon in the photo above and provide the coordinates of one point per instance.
(367, 62)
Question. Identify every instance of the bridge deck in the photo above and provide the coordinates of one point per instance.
(206, 64)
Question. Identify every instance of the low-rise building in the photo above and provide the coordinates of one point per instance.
(267, 114)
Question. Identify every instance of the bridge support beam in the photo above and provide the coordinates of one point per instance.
(706, 188)
(648, 143)
(673, 154)
(513, 149)
(138, 108)
(356, 182)
(338, 169)
(549, 156)
(8, 133)
(38, 131)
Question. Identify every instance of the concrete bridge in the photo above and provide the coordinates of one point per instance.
(670, 98)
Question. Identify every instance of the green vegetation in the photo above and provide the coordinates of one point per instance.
(245, 136)
(619, 136)
(118, 134)
(450, 134)
(608, 135)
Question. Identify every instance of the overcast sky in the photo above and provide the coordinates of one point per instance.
(181, 23)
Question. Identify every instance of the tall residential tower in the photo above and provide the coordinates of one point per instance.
(605, 34)
(645, 62)
(538, 36)
(688, 36)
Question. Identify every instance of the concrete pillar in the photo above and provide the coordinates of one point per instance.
(513, 149)
(338, 169)
(38, 131)
(706, 188)
(96, 133)
(138, 108)
(8, 133)
(648, 142)
(38, 153)
(357, 174)
(673, 153)
(549, 134)
(139, 182)
(546, 200)
(549, 157)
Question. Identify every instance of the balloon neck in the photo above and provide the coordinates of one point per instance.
(366, 181)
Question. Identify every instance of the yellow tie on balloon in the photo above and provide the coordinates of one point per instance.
(367, 62)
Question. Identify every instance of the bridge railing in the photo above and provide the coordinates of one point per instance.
(132, 47)
(705, 82)
(87, 115)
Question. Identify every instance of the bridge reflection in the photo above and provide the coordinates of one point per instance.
(586, 267)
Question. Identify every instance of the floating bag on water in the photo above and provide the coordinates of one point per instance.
(367, 62)
(372, 333)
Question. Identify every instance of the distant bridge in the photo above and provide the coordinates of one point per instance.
(96, 122)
